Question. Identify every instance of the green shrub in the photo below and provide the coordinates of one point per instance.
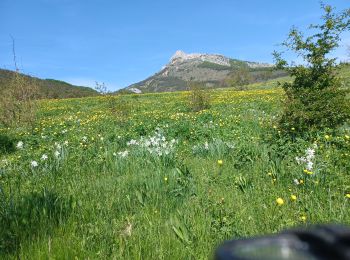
(315, 100)
(199, 99)
(7, 144)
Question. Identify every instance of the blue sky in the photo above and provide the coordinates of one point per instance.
(122, 42)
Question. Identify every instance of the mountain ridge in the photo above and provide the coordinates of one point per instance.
(211, 70)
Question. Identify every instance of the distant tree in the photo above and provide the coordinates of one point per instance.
(199, 98)
(315, 98)
(239, 77)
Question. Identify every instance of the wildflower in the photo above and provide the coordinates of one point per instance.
(44, 157)
(34, 164)
(309, 166)
(19, 145)
(347, 195)
(132, 142)
(165, 178)
(293, 197)
(307, 159)
(123, 154)
(220, 162)
(269, 174)
(57, 154)
(279, 201)
(303, 218)
(308, 172)
(327, 137)
(347, 137)
(296, 181)
(293, 128)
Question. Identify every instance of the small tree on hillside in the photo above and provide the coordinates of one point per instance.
(199, 98)
(315, 99)
(239, 78)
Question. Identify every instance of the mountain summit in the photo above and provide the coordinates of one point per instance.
(211, 70)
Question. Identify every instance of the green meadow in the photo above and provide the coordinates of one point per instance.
(144, 177)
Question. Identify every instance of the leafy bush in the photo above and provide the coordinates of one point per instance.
(315, 99)
(116, 104)
(7, 144)
(199, 98)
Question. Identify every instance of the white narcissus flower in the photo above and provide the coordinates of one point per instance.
(57, 154)
(34, 164)
(19, 145)
(123, 154)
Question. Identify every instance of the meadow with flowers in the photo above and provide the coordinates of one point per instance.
(159, 181)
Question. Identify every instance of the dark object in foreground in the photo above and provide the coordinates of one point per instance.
(319, 242)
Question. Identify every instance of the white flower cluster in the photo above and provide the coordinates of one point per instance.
(308, 159)
(122, 154)
(157, 145)
(58, 151)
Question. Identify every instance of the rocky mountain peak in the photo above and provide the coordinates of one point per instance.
(211, 70)
(181, 56)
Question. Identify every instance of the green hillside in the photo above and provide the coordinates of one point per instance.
(49, 88)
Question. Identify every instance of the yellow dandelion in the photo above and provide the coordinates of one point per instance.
(220, 162)
(279, 201)
(165, 178)
(327, 137)
(347, 195)
(303, 218)
(293, 197)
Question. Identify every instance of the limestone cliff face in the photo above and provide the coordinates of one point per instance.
(180, 57)
(209, 69)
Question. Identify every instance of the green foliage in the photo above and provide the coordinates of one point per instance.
(7, 144)
(214, 66)
(199, 98)
(17, 101)
(315, 99)
(239, 78)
